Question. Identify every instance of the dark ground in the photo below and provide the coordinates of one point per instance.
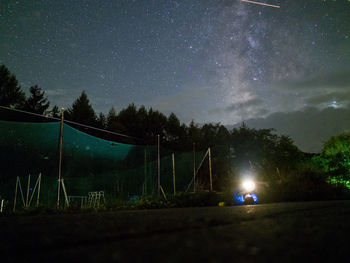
(284, 232)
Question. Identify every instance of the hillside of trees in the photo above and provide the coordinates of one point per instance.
(289, 173)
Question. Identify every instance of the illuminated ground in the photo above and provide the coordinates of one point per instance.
(284, 232)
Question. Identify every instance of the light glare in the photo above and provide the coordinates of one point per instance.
(249, 185)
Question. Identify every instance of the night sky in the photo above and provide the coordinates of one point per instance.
(207, 60)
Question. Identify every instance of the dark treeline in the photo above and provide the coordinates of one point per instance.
(272, 158)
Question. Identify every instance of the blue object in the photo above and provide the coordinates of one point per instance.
(239, 197)
(133, 198)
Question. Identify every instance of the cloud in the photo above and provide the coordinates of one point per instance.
(55, 92)
(253, 103)
(309, 127)
(329, 98)
(321, 91)
(62, 97)
(239, 111)
(188, 103)
(338, 80)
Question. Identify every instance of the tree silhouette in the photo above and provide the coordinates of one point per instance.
(11, 94)
(112, 123)
(37, 102)
(55, 112)
(101, 121)
(82, 111)
(174, 131)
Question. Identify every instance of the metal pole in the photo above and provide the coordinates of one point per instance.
(158, 192)
(173, 157)
(65, 193)
(199, 166)
(20, 189)
(37, 199)
(60, 159)
(14, 201)
(145, 171)
(210, 175)
(164, 195)
(33, 191)
(194, 167)
(28, 185)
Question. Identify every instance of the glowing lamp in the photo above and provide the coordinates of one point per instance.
(248, 185)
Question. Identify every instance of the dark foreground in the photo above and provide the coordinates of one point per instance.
(285, 232)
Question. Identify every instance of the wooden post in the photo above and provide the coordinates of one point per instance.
(27, 197)
(145, 171)
(60, 159)
(158, 191)
(210, 175)
(194, 167)
(14, 201)
(38, 196)
(173, 158)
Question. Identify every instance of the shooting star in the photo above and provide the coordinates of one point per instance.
(260, 3)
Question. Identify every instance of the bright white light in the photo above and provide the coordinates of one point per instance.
(248, 185)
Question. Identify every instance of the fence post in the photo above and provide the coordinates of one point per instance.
(173, 158)
(210, 175)
(14, 201)
(194, 167)
(27, 197)
(145, 171)
(60, 159)
(38, 196)
(65, 193)
(158, 192)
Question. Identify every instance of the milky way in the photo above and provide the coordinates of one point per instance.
(211, 61)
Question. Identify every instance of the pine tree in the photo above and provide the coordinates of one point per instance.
(37, 102)
(82, 111)
(11, 94)
(55, 112)
(112, 122)
(101, 121)
(111, 119)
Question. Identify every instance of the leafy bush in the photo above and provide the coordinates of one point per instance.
(179, 200)
(305, 183)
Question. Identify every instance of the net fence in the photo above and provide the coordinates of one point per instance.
(89, 163)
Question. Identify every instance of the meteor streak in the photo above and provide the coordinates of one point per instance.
(260, 3)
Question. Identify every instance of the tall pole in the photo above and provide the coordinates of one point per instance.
(210, 175)
(60, 159)
(173, 158)
(27, 197)
(145, 171)
(158, 192)
(194, 167)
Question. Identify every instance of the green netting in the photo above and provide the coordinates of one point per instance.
(89, 163)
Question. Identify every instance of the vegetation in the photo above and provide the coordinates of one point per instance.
(37, 102)
(334, 159)
(287, 173)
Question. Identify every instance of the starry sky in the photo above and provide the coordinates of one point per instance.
(206, 60)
